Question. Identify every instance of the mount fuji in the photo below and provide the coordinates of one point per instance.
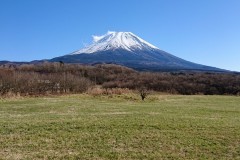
(127, 49)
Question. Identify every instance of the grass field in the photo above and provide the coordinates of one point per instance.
(120, 127)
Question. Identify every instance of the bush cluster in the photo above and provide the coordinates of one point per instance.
(57, 78)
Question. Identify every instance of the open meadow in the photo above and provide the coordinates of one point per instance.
(120, 127)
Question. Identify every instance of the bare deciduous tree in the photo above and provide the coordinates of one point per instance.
(144, 92)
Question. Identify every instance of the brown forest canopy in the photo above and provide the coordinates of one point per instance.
(52, 78)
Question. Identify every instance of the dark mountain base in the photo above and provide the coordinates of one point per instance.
(150, 60)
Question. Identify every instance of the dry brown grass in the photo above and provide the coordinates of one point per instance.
(98, 90)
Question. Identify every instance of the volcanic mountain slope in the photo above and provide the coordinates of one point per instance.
(129, 50)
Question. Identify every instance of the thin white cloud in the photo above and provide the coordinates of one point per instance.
(97, 38)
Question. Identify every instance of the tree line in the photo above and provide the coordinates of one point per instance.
(59, 78)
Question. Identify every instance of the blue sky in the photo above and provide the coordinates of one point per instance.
(201, 31)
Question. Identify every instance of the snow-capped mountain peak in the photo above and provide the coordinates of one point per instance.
(127, 49)
(116, 40)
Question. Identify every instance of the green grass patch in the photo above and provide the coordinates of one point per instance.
(120, 127)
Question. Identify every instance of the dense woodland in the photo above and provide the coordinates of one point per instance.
(59, 78)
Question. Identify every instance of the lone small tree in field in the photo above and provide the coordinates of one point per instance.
(144, 92)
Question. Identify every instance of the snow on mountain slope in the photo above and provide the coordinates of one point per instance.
(116, 40)
(127, 49)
